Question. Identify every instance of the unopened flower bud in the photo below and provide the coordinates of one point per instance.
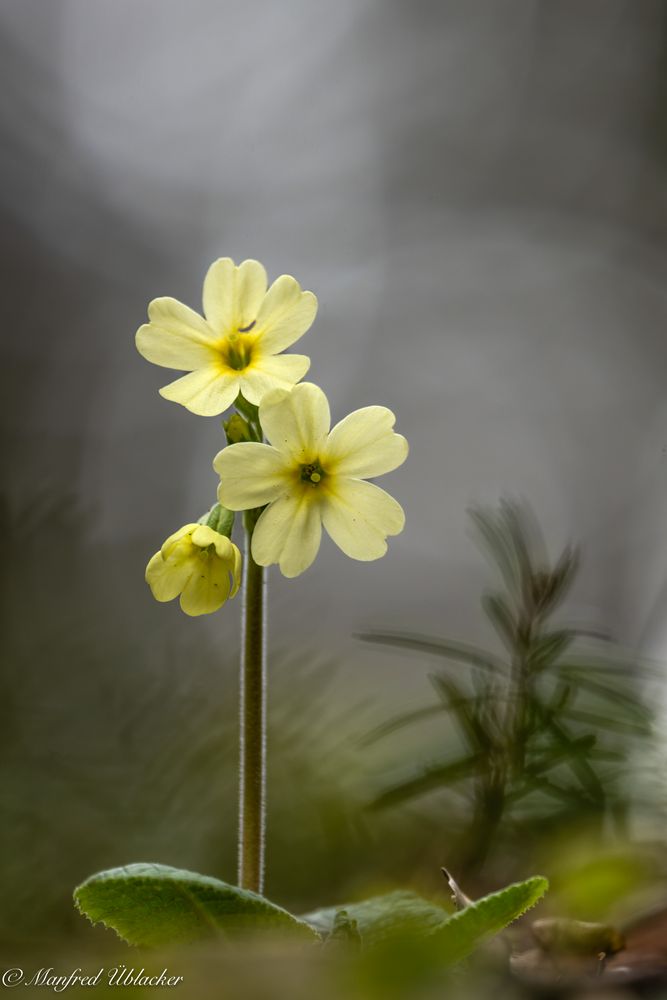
(236, 429)
(198, 563)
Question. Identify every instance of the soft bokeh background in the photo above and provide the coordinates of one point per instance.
(476, 193)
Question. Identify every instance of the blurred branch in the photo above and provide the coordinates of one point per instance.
(535, 712)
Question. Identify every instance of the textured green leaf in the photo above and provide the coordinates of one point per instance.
(381, 918)
(461, 933)
(153, 905)
(402, 925)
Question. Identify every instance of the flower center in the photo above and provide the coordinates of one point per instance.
(237, 349)
(312, 473)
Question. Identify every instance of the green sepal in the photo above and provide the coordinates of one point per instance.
(249, 414)
(249, 410)
(219, 519)
(237, 429)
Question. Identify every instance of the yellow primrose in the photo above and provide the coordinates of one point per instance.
(198, 563)
(310, 476)
(236, 347)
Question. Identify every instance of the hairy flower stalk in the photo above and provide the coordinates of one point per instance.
(252, 719)
(308, 475)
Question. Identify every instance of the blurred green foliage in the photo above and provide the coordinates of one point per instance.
(119, 741)
(119, 733)
(546, 729)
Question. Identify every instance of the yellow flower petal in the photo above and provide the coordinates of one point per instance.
(187, 566)
(284, 315)
(296, 422)
(236, 572)
(203, 536)
(359, 516)
(364, 445)
(181, 535)
(233, 295)
(288, 532)
(280, 371)
(251, 475)
(176, 337)
(165, 579)
(206, 392)
(207, 589)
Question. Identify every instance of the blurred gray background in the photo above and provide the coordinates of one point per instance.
(476, 193)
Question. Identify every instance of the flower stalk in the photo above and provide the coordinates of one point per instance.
(252, 721)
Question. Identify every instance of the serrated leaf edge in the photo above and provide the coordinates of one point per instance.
(461, 915)
(125, 873)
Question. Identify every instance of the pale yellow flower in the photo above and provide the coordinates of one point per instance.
(198, 563)
(236, 348)
(310, 476)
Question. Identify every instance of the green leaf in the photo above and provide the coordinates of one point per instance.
(152, 905)
(546, 650)
(382, 918)
(554, 755)
(623, 698)
(463, 931)
(571, 796)
(576, 751)
(603, 722)
(497, 545)
(559, 701)
(466, 712)
(500, 615)
(401, 924)
(431, 777)
(399, 722)
(446, 648)
(220, 519)
(618, 669)
(559, 580)
(525, 538)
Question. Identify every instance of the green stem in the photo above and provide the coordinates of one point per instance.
(252, 717)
